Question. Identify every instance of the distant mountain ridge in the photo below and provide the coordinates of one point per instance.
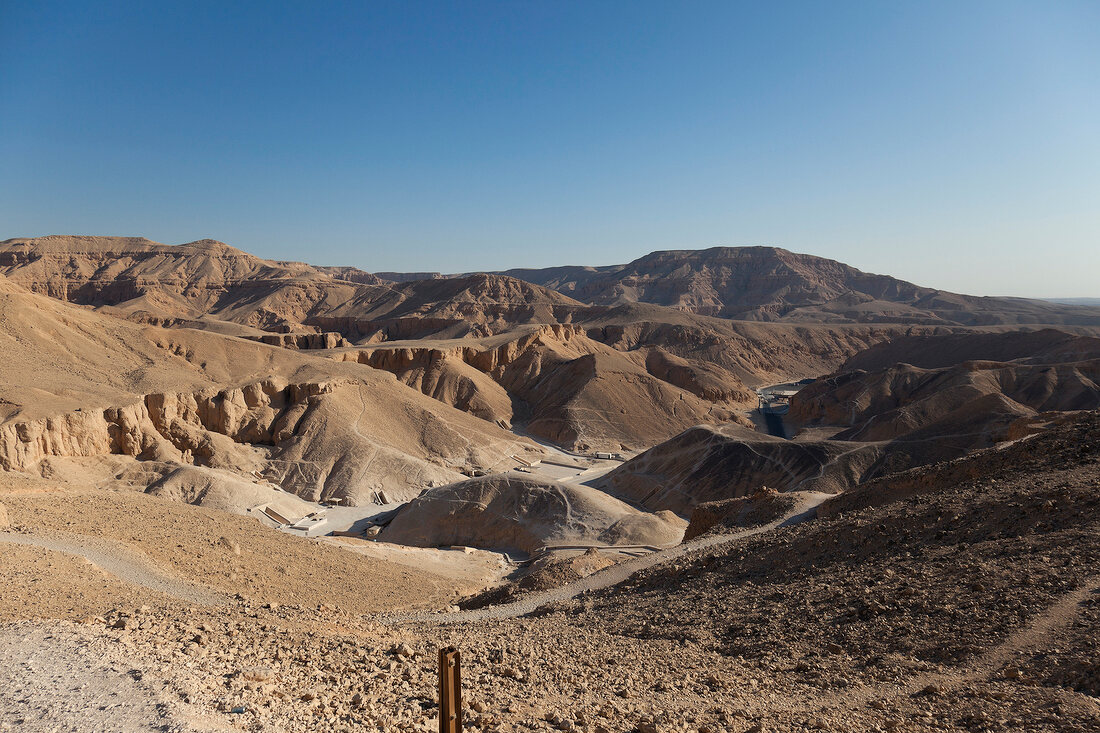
(766, 284)
(758, 283)
(208, 279)
(774, 284)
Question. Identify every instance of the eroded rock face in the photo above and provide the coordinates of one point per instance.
(903, 399)
(261, 412)
(707, 381)
(568, 388)
(161, 426)
(221, 429)
(329, 340)
(516, 513)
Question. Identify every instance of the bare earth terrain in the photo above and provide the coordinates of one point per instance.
(239, 494)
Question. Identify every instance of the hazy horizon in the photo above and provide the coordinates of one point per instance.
(956, 146)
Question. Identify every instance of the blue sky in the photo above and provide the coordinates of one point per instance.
(954, 144)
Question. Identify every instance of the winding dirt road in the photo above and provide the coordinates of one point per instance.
(124, 563)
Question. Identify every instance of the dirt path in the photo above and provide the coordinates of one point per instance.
(124, 563)
(53, 678)
(613, 575)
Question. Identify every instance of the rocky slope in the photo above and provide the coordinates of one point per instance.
(903, 400)
(967, 608)
(706, 463)
(935, 351)
(936, 611)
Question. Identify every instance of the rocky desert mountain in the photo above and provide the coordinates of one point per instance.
(730, 489)
(772, 284)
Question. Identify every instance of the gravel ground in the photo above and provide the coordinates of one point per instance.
(53, 678)
(971, 604)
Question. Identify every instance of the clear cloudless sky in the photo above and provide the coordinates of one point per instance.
(955, 144)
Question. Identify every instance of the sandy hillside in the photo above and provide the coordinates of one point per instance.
(78, 383)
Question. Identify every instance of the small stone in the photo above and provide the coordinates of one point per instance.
(257, 674)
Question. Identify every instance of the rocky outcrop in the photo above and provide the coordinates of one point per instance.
(329, 340)
(705, 464)
(566, 387)
(763, 506)
(516, 513)
(903, 399)
(172, 426)
(707, 381)
(445, 375)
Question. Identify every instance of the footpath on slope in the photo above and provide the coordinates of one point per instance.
(125, 564)
(987, 665)
(804, 509)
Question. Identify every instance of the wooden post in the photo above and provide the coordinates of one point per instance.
(450, 690)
